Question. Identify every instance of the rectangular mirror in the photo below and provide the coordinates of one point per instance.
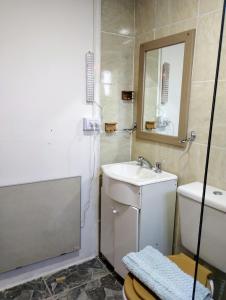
(164, 88)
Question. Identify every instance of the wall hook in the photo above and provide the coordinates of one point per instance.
(189, 139)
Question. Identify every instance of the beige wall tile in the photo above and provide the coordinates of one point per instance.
(191, 166)
(201, 93)
(157, 152)
(219, 126)
(144, 37)
(114, 108)
(144, 15)
(207, 6)
(110, 103)
(206, 47)
(183, 26)
(194, 168)
(187, 166)
(117, 59)
(182, 9)
(217, 167)
(117, 55)
(222, 74)
(200, 109)
(162, 17)
(162, 32)
(224, 28)
(173, 16)
(115, 148)
(144, 148)
(125, 115)
(169, 12)
(175, 28)
(117, 16)
(141, 38)
(116, 76)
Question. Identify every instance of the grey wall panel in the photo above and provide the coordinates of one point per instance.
(38, 221)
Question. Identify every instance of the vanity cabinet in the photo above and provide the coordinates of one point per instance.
(133, 217)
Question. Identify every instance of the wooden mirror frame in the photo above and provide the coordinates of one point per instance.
(188, 38)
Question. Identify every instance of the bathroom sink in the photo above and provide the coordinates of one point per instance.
(132, 173)
(135, 203)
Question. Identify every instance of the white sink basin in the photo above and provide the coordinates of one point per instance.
(132, 173)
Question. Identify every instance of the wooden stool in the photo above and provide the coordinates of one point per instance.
(135, 290)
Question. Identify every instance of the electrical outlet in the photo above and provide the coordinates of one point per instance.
(91, 125)
(97, 125)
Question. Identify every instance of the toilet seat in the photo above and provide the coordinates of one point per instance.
(135, 290)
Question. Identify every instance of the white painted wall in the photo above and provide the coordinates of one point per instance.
(42, 100)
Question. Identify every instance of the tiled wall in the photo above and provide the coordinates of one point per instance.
(159, 18)
(117, 57)
(155, 19)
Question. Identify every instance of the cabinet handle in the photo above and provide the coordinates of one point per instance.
(114, 211)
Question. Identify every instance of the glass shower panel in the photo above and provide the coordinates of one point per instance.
(212, 251)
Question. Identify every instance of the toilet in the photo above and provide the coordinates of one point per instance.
(213, 245)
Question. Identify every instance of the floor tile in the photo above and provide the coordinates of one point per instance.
(88, 281)
(76, 276)
(96, 294)
(68, 279)
(33, 290)
(100, 289)
(110, 282)
(96, 267)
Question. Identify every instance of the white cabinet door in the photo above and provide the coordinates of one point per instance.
(107, 227)
(157, 216)
(126, 221)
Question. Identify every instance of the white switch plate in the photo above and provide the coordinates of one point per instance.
(91, 125)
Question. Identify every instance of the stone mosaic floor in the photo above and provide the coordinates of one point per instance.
(88, 281)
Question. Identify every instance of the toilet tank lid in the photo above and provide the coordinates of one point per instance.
(215, 198)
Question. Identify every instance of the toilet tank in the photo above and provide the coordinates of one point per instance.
(213, 243)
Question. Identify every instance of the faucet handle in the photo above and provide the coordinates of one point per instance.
(158, 167)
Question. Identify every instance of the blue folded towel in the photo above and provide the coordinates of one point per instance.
(163, 276)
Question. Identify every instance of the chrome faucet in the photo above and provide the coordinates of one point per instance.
(141, 161)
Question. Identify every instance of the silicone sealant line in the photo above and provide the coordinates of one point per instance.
(209, 148)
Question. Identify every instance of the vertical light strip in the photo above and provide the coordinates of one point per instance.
(89, 77)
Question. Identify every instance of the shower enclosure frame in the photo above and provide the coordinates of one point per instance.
(209, 146)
